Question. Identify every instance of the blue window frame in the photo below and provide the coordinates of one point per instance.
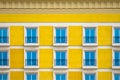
(117, 58)
(31, 58)
(89, 76)
(31, 76)
(116, 76)
(60, 76)
(3, 76)
(31, 35)
(116, 35)
(60, 58)
(3, 58)
(3, 35)
(61, 35)
(90, 35)
(90, 59)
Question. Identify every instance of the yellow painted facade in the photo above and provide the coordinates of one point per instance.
(104, 75)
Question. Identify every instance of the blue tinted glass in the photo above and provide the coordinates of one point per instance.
(34, 35)
(63, 35)
(29, 58)
(92, 55)
(1, 59)
(87, 35)
(5, 35)
(63, 76)
(116, 76)
(86, 76)
(89, 76)
(58, 58)
(5, 77)
(92, 77)
(34, 58)
(117, 58)
(57, 76)
(63, 58)
(92, 35)
(34, 77)
(1, 36)
(5, 58)
(86, 58)
(29, 76)
(57, 40)
(28, 37)
(117, 35)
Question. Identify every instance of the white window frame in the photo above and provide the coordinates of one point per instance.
(30, 72)
(5, 72)
(8, 54)
(83, 38)
(115, 72)
(54, 34)
(90, 72)
(60, 72)
(113, 50)
(25, 34)
(8, 35)
(54, 57)
(96, 56)
(31, 49)
(114, 44)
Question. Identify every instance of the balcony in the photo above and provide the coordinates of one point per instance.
(60, 63)
(89, 63)
(90, 41)
(116, 63)
(116, 41)
(4, 41)
(31, 41)
(4, 63)
(60, 41)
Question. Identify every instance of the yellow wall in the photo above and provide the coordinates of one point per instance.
(60, 17)
(105, 58)
(46, 35)
(45, 75)
(16, 75)
(104, 75)
(105, 35)
(16, 58)
(75, 58)
(16, 35)
(72, 75)
(75, 35)
(46, 58)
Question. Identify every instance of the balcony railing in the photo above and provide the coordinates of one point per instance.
(4, 39)
(31, 39)
(31, 62)
(116, 62)
(4, 62)
(89, 62)
(90, 39)
(60, 62)
(62, 39)
(116, 39)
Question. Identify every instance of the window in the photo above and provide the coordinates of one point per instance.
(116, 76)
(89, 76)
(4, 58)
(31, 76)
(3, 76)
(60, 58)
(31, 35)
(116, 35)
(90, 35)
(60, 35)
(60, 76)
(90, 59)
(3, 35)
(116, 60)
(31, 58)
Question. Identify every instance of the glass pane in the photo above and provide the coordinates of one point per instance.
(34, 76)
(5, 58)
(86, 76)
(57, 76)
(87, 35)
(63, 35)
(57, 39)
(34, 35)
(116, 76)
(29, 57)
(87, 58)
(29, 77)
(92, 35)
(5, 77)
(63, 76)
(28, 37)
(5, 35)
(34, 58)
(58, 58)
(63, 58)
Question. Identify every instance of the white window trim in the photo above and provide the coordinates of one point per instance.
(8, 50)
(115, 72)
(113, 50)
(31, 44)
(31, 49)
(54, 57)
(8, 35)
(60, 44)
(60, 72)
(90, 44)
(96, 55)
(90, 72)
(114, 44)
(6, 72)
(32, 71)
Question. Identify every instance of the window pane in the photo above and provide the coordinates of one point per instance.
(63, 58)
(57, 76)
(63, 35)
(5, 58)
(34, 58)
(117, 35)
(29, 58)
(29, 76)
(5, 35)
(34, 35)
(58, 58)
(116, 76)
(5, 76)
(34, 77)
(1, 59)
(57, 40)
(63, 76)
(28, 37)
(117, 58)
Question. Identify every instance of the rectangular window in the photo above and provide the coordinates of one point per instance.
(60, 58)
(90, 35)
(31, 58)
(117, 58)
(116, 76)
(3, 58)
(60, 35)
(116, 35)
(31, 76)
(31, 35)
(3, 76)
(59, 76)
(3, 35)
(90, 77)
(90, 59)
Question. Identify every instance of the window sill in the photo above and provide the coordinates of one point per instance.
(31, 67)
(4, 44)
(90, 67)
(116, 44)
(31, 44)
(4, 67)
(60, 67)
(90, 44)
(60, 44)
(115, 67)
